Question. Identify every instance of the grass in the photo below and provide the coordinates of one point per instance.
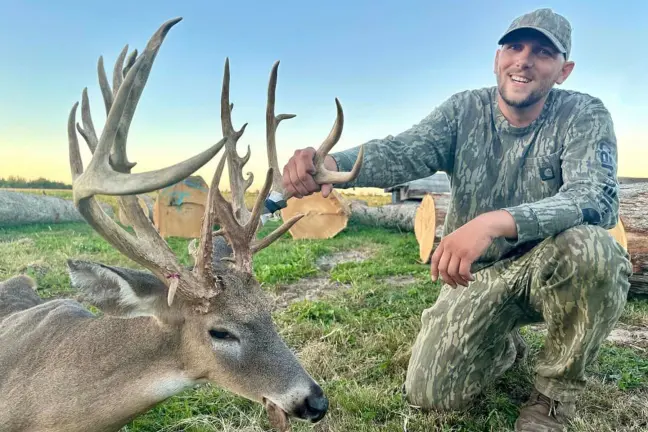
(356, 343)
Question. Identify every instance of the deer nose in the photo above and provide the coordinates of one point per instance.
(316, 405)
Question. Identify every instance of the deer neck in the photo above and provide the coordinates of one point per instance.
(133, 364)
(148, 353)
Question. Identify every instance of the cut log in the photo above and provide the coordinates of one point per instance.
(634, 214)
(639, 284)
(619, 233)
(400, 216)
(17, 208)
(425, 224)
(179, 208)
(323, 217)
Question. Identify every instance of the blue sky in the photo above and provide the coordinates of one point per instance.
(389, 63)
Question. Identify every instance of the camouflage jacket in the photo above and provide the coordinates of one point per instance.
(558, 172)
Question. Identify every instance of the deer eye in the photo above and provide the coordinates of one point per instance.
(221, 334)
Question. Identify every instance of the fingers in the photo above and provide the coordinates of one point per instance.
(453, 271)
(326, 190)
(287, 182)
(452, 267)
(443, 269)
(434, 262)
(298, 174)
(305, 172)
(464, 271)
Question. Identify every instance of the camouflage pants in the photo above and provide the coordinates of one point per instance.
(575, 282)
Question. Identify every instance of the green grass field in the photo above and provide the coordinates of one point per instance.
(354, 339)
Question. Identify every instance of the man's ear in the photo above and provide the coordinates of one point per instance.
(565, 71)
(118, 290)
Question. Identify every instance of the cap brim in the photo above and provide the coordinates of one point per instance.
(550, 36)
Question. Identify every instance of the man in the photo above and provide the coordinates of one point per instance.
(534, 190)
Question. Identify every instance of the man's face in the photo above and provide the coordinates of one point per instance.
(527, 66)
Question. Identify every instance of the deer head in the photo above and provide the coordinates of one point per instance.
(217, 314)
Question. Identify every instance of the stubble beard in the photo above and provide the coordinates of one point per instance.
(533, 97)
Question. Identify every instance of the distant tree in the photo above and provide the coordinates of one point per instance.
(39, 183)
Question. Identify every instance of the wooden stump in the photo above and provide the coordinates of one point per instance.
(428, 223)
(425, 227)
(324, 217)
(619, 233)
(179, 208)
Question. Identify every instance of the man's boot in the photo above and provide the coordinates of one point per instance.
(542, 414)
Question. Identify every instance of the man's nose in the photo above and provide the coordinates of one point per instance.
(524, 58)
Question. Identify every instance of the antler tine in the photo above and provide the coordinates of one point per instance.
(238, 184)
(323, 176)
(118, 74)
(88, 130)
(203, 264)
(76, 164)
(272, 123)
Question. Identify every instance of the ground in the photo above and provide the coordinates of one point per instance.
(350, 307)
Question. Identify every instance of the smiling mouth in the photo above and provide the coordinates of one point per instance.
(520, 79)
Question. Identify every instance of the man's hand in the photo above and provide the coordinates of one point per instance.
(298, 174)
(456, 252)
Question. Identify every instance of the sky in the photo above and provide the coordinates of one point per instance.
(389, 63)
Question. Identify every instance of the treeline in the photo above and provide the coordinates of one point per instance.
(39, 183)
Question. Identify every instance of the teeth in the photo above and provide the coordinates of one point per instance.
(520, 79)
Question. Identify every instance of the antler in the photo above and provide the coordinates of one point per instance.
(322, 175)
(110, 175)
(240, 233)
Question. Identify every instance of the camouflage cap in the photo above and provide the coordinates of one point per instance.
(552, 25)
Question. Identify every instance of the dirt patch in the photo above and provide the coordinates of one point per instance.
(327, 262)
(24, 242)
(398, 281)
(320, 286)
(305, 289)
(632, 336)
(625, 335)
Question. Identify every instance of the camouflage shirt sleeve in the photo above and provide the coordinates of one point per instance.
(418, 152)
(589, 194)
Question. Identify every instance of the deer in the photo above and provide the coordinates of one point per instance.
(164, 327)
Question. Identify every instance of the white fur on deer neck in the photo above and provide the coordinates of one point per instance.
(172, 384)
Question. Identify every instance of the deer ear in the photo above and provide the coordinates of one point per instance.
(118, 290)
